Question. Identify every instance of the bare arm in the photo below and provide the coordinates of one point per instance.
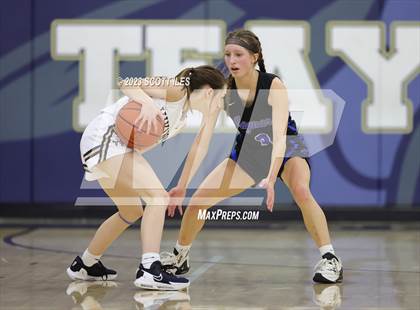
(165, 88)
(280, 111)
(280, 114)
(195, 156)
(198, 150)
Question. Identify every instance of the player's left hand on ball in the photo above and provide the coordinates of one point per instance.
(176, 197)
(269, 187)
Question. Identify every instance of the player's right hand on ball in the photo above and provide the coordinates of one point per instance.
(148, 118)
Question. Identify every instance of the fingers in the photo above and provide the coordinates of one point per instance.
(270, 200)
(137, 121)
(160, 116)
(172, 206)
(148, 119)
(269, 205)
(175, 202)
(149, 125)
(171, 211)
(154, 126)
(141, 123)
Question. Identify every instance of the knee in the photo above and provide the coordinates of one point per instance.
(300, 191)
(159, 199)
(130, 214)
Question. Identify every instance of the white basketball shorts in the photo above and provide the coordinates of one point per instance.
(100, 142)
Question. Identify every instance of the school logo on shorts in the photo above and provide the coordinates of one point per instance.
(263, 138)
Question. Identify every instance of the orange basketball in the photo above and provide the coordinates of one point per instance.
(130, 134)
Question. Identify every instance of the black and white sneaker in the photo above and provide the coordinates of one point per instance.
(155, 278)
(328, 270)
(97, 272)
(176, 263)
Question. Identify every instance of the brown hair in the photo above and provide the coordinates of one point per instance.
(247, 39)
(199, 77)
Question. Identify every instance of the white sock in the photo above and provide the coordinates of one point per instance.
(182, 248)
(89, 259)
(328, 248)
(147, 259)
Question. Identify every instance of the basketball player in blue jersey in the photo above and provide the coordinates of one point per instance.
(107, 160)
(258, 105)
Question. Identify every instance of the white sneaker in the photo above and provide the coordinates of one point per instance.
(176, 263)
(156, 299)
(327, 296)
(328, 270)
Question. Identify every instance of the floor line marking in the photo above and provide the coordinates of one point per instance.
(203, 268)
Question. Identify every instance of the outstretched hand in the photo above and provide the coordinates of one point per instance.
(269, 187)
(176, 197)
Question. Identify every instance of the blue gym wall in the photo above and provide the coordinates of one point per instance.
(40, 165)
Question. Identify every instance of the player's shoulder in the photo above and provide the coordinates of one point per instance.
(271, 80)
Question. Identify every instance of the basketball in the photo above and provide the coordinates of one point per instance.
(130, 134)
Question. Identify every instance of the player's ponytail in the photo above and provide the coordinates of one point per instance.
(184, 77)
(261, 64)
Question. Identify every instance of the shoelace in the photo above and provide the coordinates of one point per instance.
(168, 258)
(327, 264)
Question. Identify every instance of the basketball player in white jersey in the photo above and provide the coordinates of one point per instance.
(126, 176)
